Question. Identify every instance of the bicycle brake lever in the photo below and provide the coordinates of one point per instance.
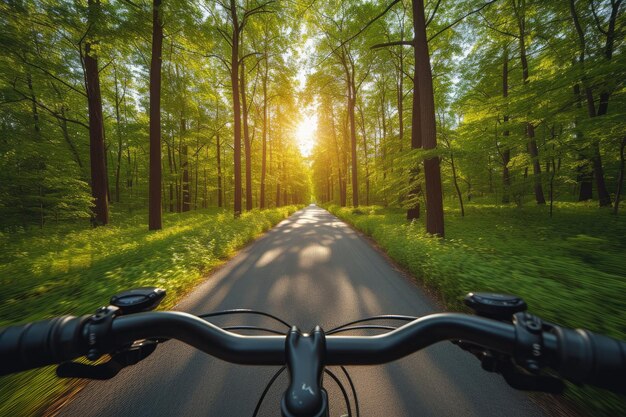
(519, 380)
(515, 376)
(119, 360)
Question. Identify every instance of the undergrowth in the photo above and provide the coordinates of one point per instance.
(570, 268)
(73, 269)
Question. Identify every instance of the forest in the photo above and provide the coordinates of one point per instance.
(488, 133)
(528, 105)
(129, 105)
(180, 106)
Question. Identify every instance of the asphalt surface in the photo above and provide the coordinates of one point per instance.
(310, 269)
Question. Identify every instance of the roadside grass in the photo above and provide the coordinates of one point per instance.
(73, 269)
(570, 269)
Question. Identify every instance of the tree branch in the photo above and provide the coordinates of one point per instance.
(46, 108)
(225, 36)
(248, 56)
(256, 10)
(432, 15)
(460, 19)
(105, 65)
(48, 73)
(492, 27)
(343, 43)
(396, 43)
(595, 18)
(220, 58)
(13, 101)
(381, 14)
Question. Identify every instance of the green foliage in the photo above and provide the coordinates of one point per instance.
(65, 269)
(569, 269)
(44, 122)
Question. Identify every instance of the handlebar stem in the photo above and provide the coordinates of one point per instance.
(305, 361)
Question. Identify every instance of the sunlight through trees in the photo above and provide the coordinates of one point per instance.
(178, 106)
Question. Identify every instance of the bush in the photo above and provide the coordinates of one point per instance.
(73, 269)
(570, 269)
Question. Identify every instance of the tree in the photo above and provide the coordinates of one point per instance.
(426, 106)
(154, 205)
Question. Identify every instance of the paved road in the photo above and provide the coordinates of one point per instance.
(311, 268)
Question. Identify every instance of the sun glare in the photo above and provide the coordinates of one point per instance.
(305, 134)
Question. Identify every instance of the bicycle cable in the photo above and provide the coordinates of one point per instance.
(341, 387)
(267, 388)
(381, 317)
(363, 327)
(244, 311)
(356, 400)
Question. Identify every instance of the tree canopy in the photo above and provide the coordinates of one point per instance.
(182, 105)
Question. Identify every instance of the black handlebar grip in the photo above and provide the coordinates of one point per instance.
(589, 358)
(41, 343)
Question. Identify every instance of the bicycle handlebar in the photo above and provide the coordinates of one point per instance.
(577, 355)
(41, 343)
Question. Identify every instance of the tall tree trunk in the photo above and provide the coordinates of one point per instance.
(552, 175)
(129, 166)
(506, 153)
(177, 167)
(620, 178)
(603, 107)
(220, 193)
(534, 154)
(197, 176)
(383, 146)
(96, 124)
(62, 121)
(40, 165)
(33, 108)
(355, 182)
(432, 174)
(349, 71)
(584, 175)
(284, 175)
(205, 190)
(264, 134)
(171, 185)
(118, 125)
(195, 180)
(506, 176)
(106, 168)
(269, 162)
(341, 162)
(184, 165)
(400, 99)
(331, 196)
(68, 140)
(277, 173)
(234, 80)
(456, 184)
(129, 171)
(383, 115)
(346, 145)
(584, 179)
(365, 158)
(604, 197)
(533, 150)
(596, 161)
(246, 137)
(154, 192)
(416, 133)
